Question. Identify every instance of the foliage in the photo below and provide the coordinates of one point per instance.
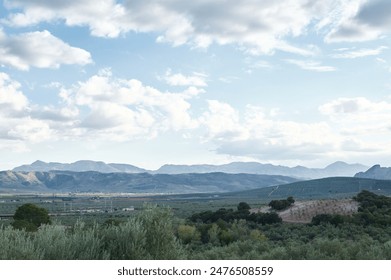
(243, 206)
(30, 216)
(148, 235)
(229, 215)
(281, 204)
(334, 219)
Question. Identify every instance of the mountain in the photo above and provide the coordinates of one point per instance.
(336, 169)
(376, 172)
(80, 166)
(91, 181)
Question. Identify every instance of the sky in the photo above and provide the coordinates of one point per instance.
(292, 82)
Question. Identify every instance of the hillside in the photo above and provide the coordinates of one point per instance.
(67, 181)
(334, 187)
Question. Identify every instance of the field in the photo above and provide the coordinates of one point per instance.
(304, 211)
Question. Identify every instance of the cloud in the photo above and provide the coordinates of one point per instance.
(39, 49)
(311, 65)
(358, 116)
(352, 53)
(104, 19)
(12, 100)
(256, 27)
(367, 20)
(178, 79)
(258, 134)
(15, 122)
(355, 107)
(354, 127)
(127, 108)
(101, 107)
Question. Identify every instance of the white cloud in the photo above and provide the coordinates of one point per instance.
(102, 107)
(222, 121)
(256, 27)
(127, 108)
(12, 100)
(15, 122)
(311, 65)
(355, 127)
(351, 53)
(258, 134)
(178, 79)
(39, 49)
(358, 114)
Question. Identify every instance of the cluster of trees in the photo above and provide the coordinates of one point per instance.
(373, 210)
(242, 213)
(281, 204)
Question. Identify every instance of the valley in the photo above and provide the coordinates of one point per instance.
(201, 215)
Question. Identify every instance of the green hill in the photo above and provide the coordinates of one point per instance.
(334, 187)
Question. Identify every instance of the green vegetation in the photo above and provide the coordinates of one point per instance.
(29, 216)
(231, 232)
(281, 204)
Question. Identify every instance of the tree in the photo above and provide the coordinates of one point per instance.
(243, 206)
(281, 204)
(30, 216)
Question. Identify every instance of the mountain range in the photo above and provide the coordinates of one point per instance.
(80, 166)
(338, 168)
(91, 181)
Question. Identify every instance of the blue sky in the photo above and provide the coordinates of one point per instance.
(292, 82)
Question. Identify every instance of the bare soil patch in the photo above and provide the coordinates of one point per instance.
(304, 211)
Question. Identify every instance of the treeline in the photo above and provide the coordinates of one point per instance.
(229, 215)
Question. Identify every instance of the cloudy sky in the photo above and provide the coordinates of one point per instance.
(293, 82)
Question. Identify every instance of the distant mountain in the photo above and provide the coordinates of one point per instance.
(68, 181)
(336, 169)
(80, 166)
(376, 172)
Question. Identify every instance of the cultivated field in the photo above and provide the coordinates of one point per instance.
(304, 211)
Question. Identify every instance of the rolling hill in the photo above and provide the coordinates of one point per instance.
(333, 187)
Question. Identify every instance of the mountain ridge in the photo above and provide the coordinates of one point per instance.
(92, 181)
(376, 172)
(338, 168)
